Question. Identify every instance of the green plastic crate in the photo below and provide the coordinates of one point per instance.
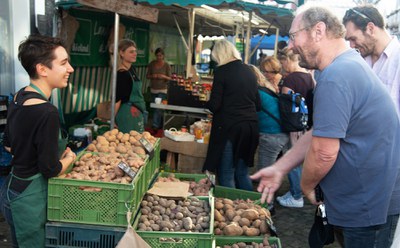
(68, 203)
(183, 177)
(221, 241)
(158, 239)
(154, 164)
(233, 194)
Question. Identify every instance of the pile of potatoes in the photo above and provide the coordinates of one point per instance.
(264, 244)
(162, 214)
(100, 163)
(240, 217)
(116, 141)
(200, 188)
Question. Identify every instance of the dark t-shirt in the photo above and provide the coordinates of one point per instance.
(124, 84)
(299, 82)
(32, 133)
(303, 83)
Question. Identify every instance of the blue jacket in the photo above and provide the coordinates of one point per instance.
(266, 123)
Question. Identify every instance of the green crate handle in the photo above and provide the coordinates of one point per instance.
(171, 240)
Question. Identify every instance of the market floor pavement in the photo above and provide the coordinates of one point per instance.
(292, 224)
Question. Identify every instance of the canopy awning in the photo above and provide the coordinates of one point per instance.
(269, 15)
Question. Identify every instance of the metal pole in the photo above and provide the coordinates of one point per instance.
(247, 49)
(190, 40)
(114, 71)
(276, 42)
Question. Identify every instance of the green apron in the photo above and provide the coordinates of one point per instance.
(29, 212)
(130, 114)
(29, 209)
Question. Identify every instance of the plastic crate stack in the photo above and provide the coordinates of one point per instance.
(95, 218)
(208, 239)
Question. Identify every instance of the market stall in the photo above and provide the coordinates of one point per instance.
(88, 206)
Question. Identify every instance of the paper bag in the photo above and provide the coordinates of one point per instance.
(170, 189)
(104, 110)
(131, 239)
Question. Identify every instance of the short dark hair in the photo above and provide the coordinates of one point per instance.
(37, 49)
(362, 15)
(159, 50)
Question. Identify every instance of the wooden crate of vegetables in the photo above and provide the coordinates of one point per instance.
(168, 223)
(238, 213)
(199, 184)
(96, 190)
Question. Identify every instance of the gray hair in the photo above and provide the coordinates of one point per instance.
(225, 52)
(314, 14)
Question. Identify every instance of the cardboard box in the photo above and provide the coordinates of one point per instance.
(190, 148)
(104, 110)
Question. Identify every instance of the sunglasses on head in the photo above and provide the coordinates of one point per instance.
(356, 12)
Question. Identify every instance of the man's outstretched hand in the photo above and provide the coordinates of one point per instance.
(270, 181)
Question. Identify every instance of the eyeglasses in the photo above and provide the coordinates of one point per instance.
(292, 35)
(350, 11)
(274, 72)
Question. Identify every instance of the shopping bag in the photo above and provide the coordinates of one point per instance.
(321, 232)
(131, 239)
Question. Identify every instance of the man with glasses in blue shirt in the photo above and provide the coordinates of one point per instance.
(365, 30)
(352, 149)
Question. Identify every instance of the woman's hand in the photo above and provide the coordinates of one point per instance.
(68, 154)
(67, 158)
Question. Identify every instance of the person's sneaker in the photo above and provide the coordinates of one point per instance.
(290, 202)
(286, 195)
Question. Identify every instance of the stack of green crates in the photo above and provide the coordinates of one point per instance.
(68, 203)
(159, 239)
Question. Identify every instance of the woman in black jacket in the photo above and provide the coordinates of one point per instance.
(234, 103)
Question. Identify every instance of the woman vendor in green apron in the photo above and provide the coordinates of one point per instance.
(130, 105)
(32, 137)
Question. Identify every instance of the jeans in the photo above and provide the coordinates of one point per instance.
(269, 147)
(158, 113)
(6, 209)
(294, 177)
(378, 236)
(233, 176)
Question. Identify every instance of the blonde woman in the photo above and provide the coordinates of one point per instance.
(130, 105)
(234, 102)
(271, 69)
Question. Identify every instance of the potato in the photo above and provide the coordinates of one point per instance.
(252, 231)
(133, 133)
(91, 148)
(244, 222)
(250, 214)
(263, 227)
(121, 149)
(230, 214)
(218, 216)
(233, 229)
(188, 223)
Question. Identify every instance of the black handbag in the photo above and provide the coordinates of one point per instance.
(321, 232)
